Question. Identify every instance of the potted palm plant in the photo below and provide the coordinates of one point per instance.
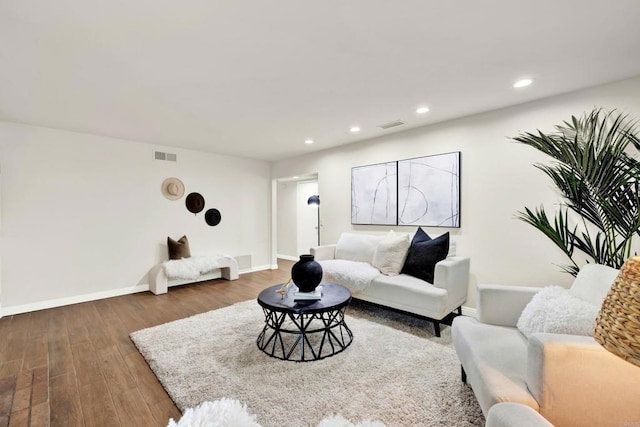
(596, 171)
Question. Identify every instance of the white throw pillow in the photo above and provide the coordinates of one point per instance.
(391, 252)
(593, 282)
(357, 247)
(555, 310)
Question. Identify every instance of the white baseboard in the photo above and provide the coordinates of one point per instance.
(469, 311)
(59, 302)
(288, 257)
(256, 268)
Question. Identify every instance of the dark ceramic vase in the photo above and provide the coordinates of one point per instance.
(306, 273)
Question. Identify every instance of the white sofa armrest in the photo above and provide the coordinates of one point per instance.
(512, 414)
(502, 304)
(452, 274)
(323, 252)
(577, 382)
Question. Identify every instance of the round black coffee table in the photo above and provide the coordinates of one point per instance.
(304, 331)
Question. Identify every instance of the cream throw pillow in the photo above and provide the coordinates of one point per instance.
(391, 252)
(357, 247)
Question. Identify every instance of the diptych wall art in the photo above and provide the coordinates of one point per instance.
(374, 194)
(429, 191)
(420, 191)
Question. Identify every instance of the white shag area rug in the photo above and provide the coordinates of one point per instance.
(395, 372)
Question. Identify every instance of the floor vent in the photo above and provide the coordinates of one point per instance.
(391, 124)
(170, 157)
(244, 262)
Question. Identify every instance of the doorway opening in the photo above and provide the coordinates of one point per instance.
(295, 224)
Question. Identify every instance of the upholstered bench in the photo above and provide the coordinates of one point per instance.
(197, 268)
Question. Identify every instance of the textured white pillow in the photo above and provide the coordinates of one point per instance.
(391, 252)
(357, 247)
(555, 310)
(593, 282)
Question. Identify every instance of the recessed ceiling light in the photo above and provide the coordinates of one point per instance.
(295, 177)
(308, 141)
(522, 83)
(422, 110)
(354, 129)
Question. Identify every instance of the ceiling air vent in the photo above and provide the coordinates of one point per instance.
(391, 124)
(170, 157)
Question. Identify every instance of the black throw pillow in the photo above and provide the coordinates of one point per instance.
(420, 236)
(424, 254)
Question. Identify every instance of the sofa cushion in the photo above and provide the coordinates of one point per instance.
(593, 282)
(391, 252)
(357, 247)
(407, 293)
(555, 310)
(424, 254)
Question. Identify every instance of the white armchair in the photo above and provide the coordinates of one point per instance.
(571, 380)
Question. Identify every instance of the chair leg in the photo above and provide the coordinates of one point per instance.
(460, 311)
(464, 374)
(436, 327)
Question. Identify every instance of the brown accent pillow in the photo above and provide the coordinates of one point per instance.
(179, 249)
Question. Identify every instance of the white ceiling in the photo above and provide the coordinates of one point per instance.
(255, 78)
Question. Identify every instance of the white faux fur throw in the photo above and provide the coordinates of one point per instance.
(227, 412)
(354, 275)
(555, 310)
(192, 267)
(221, 413)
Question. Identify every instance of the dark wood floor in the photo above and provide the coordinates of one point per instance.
(76, 366)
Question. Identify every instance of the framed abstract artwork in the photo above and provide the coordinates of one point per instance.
(374, 195)
(429, 191)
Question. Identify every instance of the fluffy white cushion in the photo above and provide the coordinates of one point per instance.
(593, 282)
(353, 275)
(554, 310)
(391, 252)
(357, 247)
(227, 412)
(220, 413)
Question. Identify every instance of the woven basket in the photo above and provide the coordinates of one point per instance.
(618, 322)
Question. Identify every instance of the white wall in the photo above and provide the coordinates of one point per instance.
(83, 215)
(287, 220)
(497, 179)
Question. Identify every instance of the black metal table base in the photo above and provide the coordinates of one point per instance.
(303, 337)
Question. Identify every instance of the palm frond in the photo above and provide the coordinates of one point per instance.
(598, 180)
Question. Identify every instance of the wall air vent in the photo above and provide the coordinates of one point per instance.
(170, 157)
(391, 124)
(244, 262)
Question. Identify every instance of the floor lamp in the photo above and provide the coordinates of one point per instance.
(314, 201)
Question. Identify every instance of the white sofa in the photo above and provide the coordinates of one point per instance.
(401, 292)
(569, 379)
